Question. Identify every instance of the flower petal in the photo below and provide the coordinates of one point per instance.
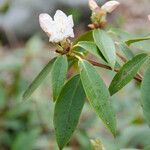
(46, 22)
(110, 6)
(70, 20)
(57, 37)
(69, 33)
(59, 15)
(93, 5)
(72, 33)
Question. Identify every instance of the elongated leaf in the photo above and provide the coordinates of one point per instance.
(120, 34)
(145, 90)
(126, 50)
(88, 36)
(68, 109)
(127, 73)
(97, 94)
(138, 39)
(92, 48)
(59, 73)
(142, 45)
(38, 80)
(125, 36)
(106, 46)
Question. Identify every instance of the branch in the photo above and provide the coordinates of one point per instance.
(121, 57)
(137, 78)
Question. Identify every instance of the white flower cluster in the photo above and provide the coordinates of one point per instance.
(59, 28)
(107, 7)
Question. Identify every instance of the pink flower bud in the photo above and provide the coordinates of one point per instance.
(93, 5)
(110, 6)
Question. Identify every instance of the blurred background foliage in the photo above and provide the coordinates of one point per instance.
(24, 49)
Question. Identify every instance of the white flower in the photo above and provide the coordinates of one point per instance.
(93, 5)
(59, 28)
(110, 6)
(149, 17)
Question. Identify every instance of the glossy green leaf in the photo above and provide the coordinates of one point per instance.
(97, 94)
(145, 90)
(91, 48)
(59, 73)
(127, 73)
(88, 36)
(105, 45)
(38, 80)
(68, 109)
(138, 39)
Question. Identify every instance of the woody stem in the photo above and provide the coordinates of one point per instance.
(137, 78)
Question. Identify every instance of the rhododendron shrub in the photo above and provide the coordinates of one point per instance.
(70, 94)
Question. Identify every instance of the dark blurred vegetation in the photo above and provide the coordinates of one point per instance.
(24, 49)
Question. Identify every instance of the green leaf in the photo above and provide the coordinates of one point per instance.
(124, 36)
(91, 48)
(120, 34)
(97, 94)
(59, 73)
(88, 36)
(106, 46)
(138, 39)
(68, 109)
(38, 80)
(126, 50)
(142, 45)
(145, 90)
(127, 73)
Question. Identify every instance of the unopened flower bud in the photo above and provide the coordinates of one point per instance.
(93, 5)
(110, 6)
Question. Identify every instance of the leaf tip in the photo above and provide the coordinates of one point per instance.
(114, 133)
(60, 144)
